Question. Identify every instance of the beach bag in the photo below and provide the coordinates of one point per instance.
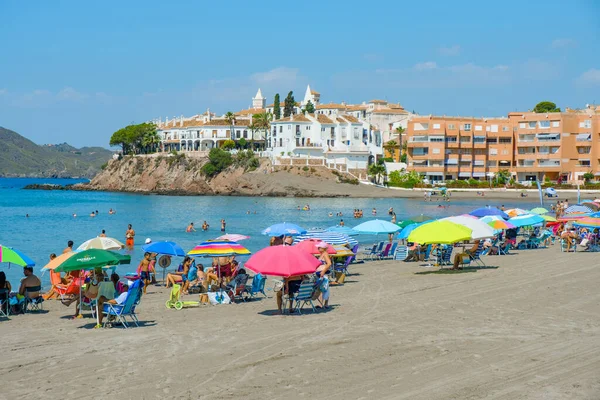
(340, 277)
(218, 298)
(584, 242)
(278, 286)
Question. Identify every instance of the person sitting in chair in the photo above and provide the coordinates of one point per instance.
(240, 279)
(103, 300)
(458, 259)
(29, 281)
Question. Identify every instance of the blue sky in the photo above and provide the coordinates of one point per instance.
(77, 71)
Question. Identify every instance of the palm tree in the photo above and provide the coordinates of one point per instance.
(150, 140)
(376, 170)
(230, 118)
(262, 122)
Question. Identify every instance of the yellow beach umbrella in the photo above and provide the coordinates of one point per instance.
(548, 218)
(441, 232)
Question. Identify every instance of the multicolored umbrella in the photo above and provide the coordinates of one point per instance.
(282, 261)
(377, 226)
(526, 220)
(102, 243)
(484, 211)
(514, 212)
(14, 256)
(86, 260)
(499, 225)
(284, 229)
(218, 248)
(479, 229)
(327, 237)
(588, 222)
(233, 237)
(310, 246)
(578, 208)
(539, 210)
(442, 232)
(548, 218)
(575, 216)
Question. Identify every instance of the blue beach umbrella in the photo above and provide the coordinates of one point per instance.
(484, 211)
(407, 230)
(346, 230)
(377, 226)
(578, 208)
(526, 220)
(333, 238)
(165, 248)
(284, 229)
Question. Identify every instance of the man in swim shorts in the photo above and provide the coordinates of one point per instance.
(129, 236)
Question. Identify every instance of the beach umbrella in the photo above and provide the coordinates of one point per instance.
(420, 218)
(86, 260)
(407, 230)
(282, 261)
(310, 246)
(479, 229)
(218, 248)
(578, 208)
(327, 237)
(346, 230)
(513, 212)
(526, 220)
(377, 226)
(233, 237)
(548, 218)
(102, 243)
(342, 251)
(484, 211)
(575, 216)
(551, 191)
(588, 222)
(284, 229)
(405, 223)
(442, 232)
(539, 210)
(165, 248)
(13, 256)
(593, 206)
(499, 225)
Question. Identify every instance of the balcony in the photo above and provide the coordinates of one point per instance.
(584, 137)
(549, 163)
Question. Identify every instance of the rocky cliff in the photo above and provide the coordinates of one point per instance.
(178, 174)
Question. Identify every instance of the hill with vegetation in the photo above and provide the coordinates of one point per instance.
(20, 157)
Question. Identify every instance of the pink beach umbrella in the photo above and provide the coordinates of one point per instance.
(310, 246)
(282, 261)
(233, 237)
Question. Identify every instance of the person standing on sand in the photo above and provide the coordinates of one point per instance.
(190, 228)
(223, 224)
(144, 270)
(129, 236)
(69, 247)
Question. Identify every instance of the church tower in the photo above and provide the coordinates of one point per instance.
(259, 101)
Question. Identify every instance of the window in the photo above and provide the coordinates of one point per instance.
(450, 139)
(467, 127)
(522, 125)
(494, 128)
(544, 124)
(280, 128)
(238, 134)
(587, 123)
(505, 140)
(451, 126)
(492, 140)
(493, 152)
(492, 164)
(436, 126)
(585, 163)
(480, 152)
(245, 134)
(465, 139)
(436, 139)
(504, 152)
(531, 125)
(435, 151)
(289, 127)
(555, 124)
(505, 128)
(584, 150)
(478, 128)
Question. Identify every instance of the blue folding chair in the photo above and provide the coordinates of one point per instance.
(305, 296)
(120, 311)
(401, 253)
(258, 286)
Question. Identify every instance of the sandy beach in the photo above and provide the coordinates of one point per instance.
(525, 328)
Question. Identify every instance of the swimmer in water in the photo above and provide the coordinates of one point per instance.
(74, 215)
(190, 228)
(331, 214)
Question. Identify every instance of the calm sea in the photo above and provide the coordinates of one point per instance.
(51, 223)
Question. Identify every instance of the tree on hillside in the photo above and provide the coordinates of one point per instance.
(310, 107)
(119, 138)
(277, 107)
(503, 176)
(230, 118)
(545, 107)
(289, 104)
(150, 141)
(140, 138)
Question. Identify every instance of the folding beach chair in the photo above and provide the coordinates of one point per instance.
(120, 311)
(392, 250)
(237, 292)
(385, 251)
(4, 303)
(446, 256)
(36, 302)
(258, 286)
(475, 257)
(377, 251)
(65, 290)
(401, 253)
(305, 296)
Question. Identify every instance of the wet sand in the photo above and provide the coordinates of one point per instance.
(527, 327)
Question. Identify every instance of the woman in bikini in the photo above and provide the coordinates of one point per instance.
(182, 273)
(322, 279)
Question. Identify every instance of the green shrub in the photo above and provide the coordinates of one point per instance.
(305, 169)
(218, 160)
(103, 166)
(228, 145)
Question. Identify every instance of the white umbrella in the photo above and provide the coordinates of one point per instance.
(480, 230)
(103, 243)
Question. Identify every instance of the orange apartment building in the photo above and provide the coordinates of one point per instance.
(529, 145)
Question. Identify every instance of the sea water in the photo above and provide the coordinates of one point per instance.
(51, 222)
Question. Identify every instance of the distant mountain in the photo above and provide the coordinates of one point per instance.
(19, 156)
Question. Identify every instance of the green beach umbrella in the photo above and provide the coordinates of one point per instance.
(539, 210)
(90, 259)
(442, 232)
(421, 218)
(404, 224)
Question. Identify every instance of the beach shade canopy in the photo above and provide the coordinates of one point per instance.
(327, 237)
(310, 246)
(588, 222)
(548, 218)
(405, 223)
(165, 248)
(284, 229)
(479, 229)
(407, 230)
(86, 260)
(442, 232)
(499, 225)
(526, 220)
(14, 256)
(377, 226)
(102, 243)
(346, 230)
(282, 261)
(218, 248)
(484, 211)
(578, 208)
(233, 237)
(420, 218)
(513, 212)
(539, 210)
